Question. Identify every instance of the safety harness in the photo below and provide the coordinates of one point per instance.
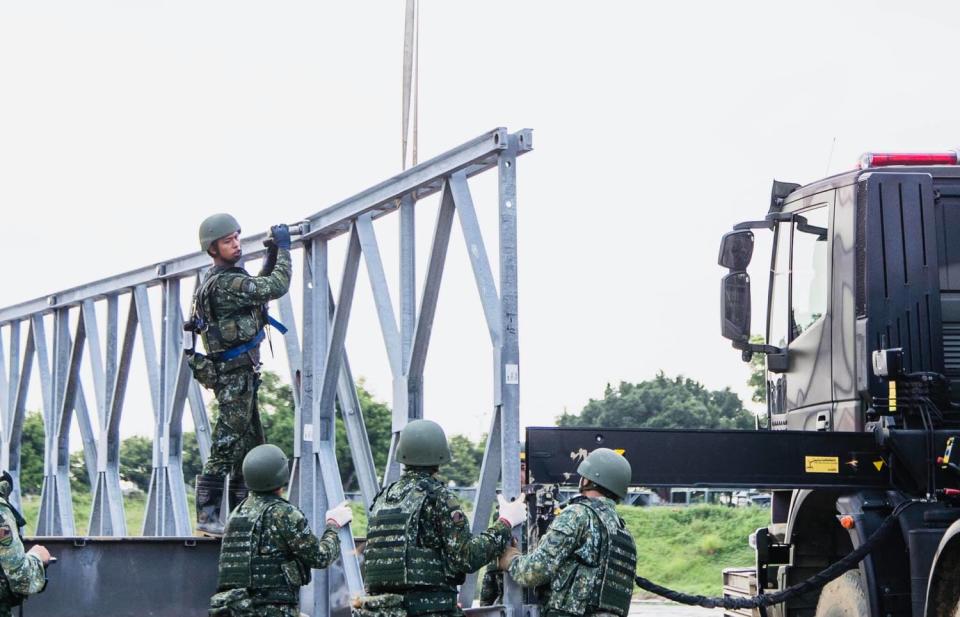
(202, 323)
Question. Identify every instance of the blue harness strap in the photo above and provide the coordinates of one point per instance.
(276, 324)
(236, 352)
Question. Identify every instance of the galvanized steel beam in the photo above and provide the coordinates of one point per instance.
(318, 364)
(472, 157)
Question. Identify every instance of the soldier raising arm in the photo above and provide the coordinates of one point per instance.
(230, 315)
(268, 549)
(419, 545)
(587, 557)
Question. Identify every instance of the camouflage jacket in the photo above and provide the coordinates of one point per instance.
(567, 558)
(235, 299)
(443, 525)
(24, 573)
(284, 531)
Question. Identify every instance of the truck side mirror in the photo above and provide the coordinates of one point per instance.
(735, 308)
(736, 249)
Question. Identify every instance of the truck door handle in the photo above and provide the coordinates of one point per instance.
(823, 423)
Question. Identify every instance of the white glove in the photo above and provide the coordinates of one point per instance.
(513, 512)
(340, 515)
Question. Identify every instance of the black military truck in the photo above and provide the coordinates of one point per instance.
(862, 350)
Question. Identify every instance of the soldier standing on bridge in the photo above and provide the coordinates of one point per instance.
(230, 315)
(268, 549)
(22, 573)
(587, 558)
(419, 545)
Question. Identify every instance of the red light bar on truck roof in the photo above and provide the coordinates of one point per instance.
(885, 159)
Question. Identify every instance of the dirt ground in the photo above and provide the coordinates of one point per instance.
(649, 608)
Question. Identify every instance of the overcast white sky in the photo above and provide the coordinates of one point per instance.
(657, 127)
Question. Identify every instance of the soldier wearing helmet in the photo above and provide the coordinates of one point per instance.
(587, 559)
(230, 315)
(268, 549)
(419, 545)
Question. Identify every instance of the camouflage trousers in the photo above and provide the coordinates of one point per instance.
(237, 603)
(491, 588)
(238, 429)
(391, 605)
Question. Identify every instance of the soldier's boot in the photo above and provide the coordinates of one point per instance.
(209, 505)
(238, 491)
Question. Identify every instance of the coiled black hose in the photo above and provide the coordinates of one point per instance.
(813, 583)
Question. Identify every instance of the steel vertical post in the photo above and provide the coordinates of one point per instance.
(307, 485)
(402, 410)
(507, 377)
(14, 431)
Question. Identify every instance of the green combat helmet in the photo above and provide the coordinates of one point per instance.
(606, 468)
(265, 468)
(423, 444)
(214, 227)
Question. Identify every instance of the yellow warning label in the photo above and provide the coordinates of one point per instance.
(878, 464)
(822, 464)
(619, 451)
(893, 396)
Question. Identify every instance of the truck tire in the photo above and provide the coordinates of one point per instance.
(844, 597)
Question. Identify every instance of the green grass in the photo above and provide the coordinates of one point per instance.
(688, 548)
(359, 523)
(134, 508)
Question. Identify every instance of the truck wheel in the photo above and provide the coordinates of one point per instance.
(844, 597)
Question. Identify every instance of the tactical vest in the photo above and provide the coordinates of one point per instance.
(394, 559)
(243, 566)
(223, 332)
(607, 584)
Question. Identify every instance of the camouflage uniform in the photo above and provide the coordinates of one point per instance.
(491, 587)
(267, 554)
(576, 559)
(237, 300)
(22, 574)
(415, 569)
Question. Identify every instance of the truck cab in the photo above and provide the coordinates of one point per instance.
(863, 261)
(862, 321)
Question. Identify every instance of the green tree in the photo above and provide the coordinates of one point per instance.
(378, 418)
(192, 465)
(663, 402)
(136, 460)
(466, 458)
(758, 372)
(79, 479)
(31, 454)
(275, 402)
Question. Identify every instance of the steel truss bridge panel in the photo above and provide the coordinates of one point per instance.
(87, 335)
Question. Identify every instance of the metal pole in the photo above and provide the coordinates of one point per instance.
(507, 376)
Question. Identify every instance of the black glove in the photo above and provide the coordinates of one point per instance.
(281, 236)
